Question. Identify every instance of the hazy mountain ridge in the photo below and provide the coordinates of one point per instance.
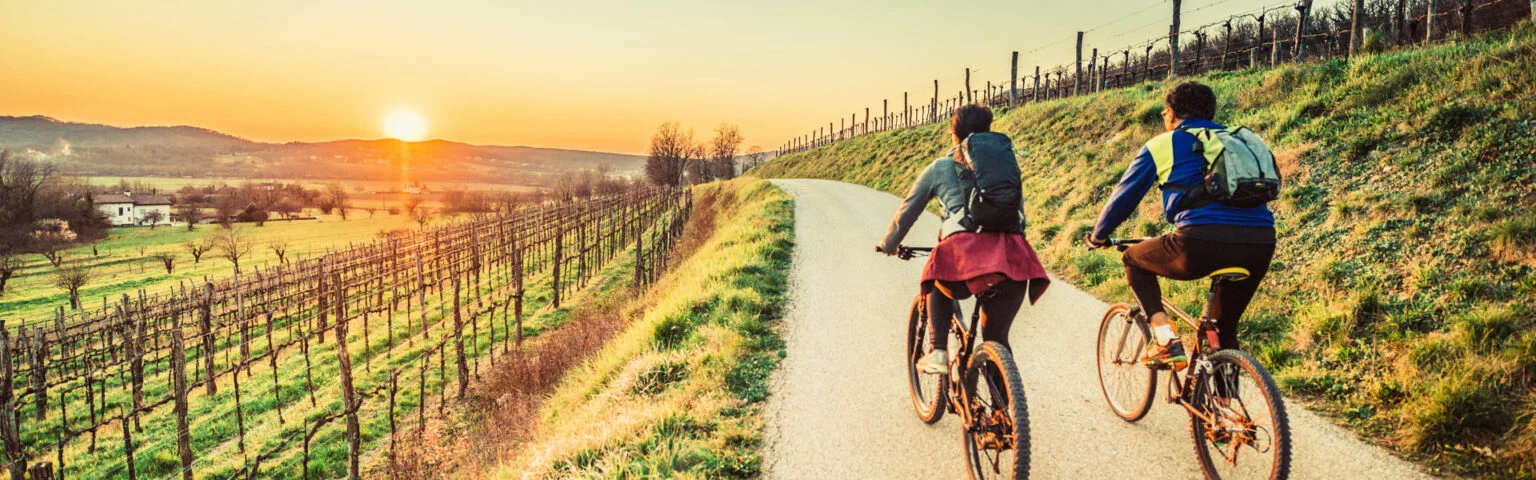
(186, 151)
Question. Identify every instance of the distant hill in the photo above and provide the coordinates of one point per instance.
(184, 151)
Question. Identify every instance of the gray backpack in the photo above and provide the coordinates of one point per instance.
(1240, 170)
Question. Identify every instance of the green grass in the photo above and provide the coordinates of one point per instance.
(678, 394)
(1399, 301)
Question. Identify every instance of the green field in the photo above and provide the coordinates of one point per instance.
(119, 266)
(1399, 303)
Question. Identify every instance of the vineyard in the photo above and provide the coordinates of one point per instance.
(311, 368)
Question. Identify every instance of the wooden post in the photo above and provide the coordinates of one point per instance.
(865, 127)
(968, 97)
(1302, 10)
(179, 379)
(458, 340)
(1093, 71)
(1399, 20)
(205, 321)
(906, 110)
(127, 450)
(1466, 17)
(349, 400)
(38, 374)
(10, 432)
(1226, 43)
(1274, 47)
(1077, 66)
(559, 257)
(1036, 96)
(1356, 25)
(1146, 65)
(1199, 51)
(1013, 81)
(1173, 42)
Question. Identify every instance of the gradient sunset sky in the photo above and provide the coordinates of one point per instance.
(597, 75)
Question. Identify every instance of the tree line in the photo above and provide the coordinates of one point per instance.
(676, 158)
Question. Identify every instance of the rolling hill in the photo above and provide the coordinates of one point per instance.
(184, 151)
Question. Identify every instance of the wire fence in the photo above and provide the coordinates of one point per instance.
(1265, 36)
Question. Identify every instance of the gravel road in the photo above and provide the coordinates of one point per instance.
(840, 409)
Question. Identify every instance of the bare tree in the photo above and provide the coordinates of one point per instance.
(672, 149)
(411, 203)
(722, 154)
(199, 247)
(153, 217)
(10, 262)
(338, 199)
(71, 277)
(233, 245)
(279, 247)
(421, 216)
(189, 213)
(755, 158)
(50, 236)
(168, 259)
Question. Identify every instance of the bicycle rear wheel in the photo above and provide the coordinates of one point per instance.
(927, 389)
(1248, 435)
(997, 440)
(1127, 384)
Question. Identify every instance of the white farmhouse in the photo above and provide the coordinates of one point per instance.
(129, 209)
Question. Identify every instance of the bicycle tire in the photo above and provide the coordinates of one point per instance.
(994, 357)
(1240, 362)
(1125, 401)
(929, 406)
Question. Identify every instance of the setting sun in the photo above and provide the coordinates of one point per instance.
(405, 125)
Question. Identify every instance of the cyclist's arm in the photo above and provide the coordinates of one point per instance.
(1139, 178)
(912, 207)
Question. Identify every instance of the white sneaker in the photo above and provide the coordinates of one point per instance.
(935, 363)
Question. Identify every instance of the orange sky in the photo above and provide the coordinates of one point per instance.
(597, 75)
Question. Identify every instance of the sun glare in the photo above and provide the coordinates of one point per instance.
(405, 125)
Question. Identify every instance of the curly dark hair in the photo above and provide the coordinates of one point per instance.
(970, 119)
(1192, 100)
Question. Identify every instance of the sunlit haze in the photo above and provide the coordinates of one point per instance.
(405, 125)
(594, 75)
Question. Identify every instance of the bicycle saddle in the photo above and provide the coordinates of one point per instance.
(1230, 274)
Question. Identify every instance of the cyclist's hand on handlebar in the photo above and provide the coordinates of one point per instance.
(1094, 243)
(879, 249)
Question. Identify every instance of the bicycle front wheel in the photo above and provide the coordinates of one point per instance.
(1241, 431)
(997, 438)
(927, 389)
(1128, 385)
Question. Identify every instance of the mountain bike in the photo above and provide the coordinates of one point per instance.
(989, 396)
(1236, 415)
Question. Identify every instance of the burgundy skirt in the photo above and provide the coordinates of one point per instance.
(981, 260)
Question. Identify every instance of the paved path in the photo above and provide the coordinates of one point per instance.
(840, 407)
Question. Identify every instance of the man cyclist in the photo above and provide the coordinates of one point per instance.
(1209, 236)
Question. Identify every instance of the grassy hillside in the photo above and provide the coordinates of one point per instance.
(678, 394)
(1400, 298)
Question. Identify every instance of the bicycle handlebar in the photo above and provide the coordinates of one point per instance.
(1123, 243)
(906, 253)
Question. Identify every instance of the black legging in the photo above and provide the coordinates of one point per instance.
(998, 307)
(1180, 257)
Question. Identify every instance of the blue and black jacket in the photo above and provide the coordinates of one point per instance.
(1171, 160)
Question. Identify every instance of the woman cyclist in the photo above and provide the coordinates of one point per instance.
(999, 267)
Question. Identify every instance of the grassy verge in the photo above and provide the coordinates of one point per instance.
(678, 392)
(1400, 298)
